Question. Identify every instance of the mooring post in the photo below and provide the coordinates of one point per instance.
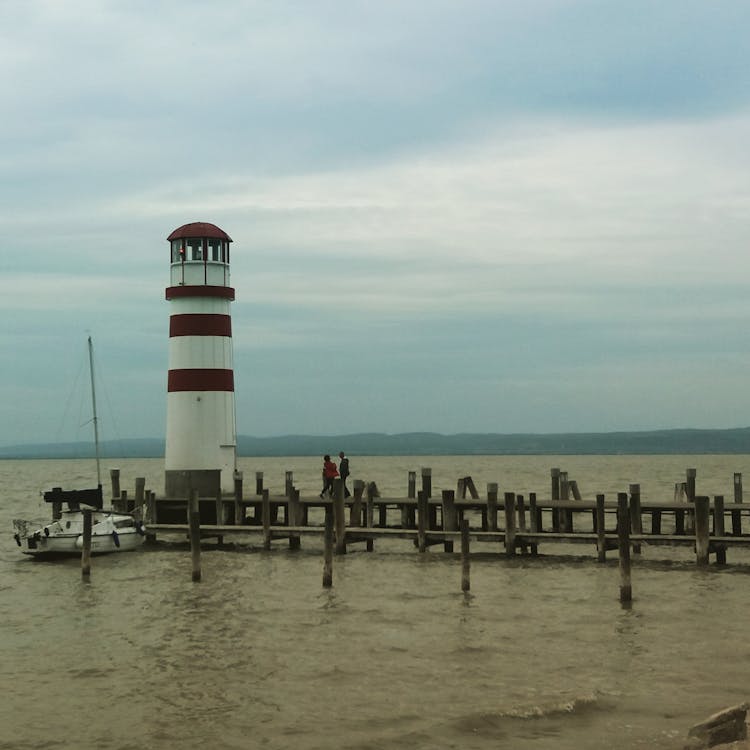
(601, 541)
(239, 508)
(636, 520)
(328, 548)
(265, 515)
(150, 511)
(355, 513)
(288, 483)
(465, 561)
(86, 550)
(195, 534)
(421, 521)
(702, 510)
(293, 517)
(521, 508)
(339, 517)
(450, 518)
(555, 496)
(140, 494)
(114, 476)
(407, 511)
(510, 523)
(370, 513)
(623, 545)
(721, 550)
(427, 491)
(690, 492)
(492, 491)
(566, 515)
(737, 514)
(258, 482)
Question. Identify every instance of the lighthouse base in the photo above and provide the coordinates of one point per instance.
(206, 482)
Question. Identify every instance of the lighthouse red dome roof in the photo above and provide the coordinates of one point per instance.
(199, 229)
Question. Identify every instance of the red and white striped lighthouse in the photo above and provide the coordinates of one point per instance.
(201, 447)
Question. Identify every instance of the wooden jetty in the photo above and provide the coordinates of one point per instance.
(511, 524)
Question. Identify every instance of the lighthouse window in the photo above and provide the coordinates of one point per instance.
(176, 245)
(214, 250)
(194, 249)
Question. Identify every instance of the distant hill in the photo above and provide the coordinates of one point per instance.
(685, 441)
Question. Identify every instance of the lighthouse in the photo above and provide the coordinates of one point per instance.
(201, 446)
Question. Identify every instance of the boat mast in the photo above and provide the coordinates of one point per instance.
(93, 402)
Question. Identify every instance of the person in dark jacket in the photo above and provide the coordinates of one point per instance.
(344, 472)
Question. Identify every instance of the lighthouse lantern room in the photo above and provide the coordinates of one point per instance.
(201, 445)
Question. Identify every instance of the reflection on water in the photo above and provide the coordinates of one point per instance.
(539, 654)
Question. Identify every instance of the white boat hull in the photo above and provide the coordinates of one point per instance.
(110, 532)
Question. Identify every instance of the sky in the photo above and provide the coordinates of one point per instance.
(454, 217)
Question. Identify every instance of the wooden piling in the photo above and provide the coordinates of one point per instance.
(450, 517)
(521, 510)
(258, 482)
(566, 515)
(407, 511)
(339, 517)
(623, 544)
(370, 512)
(421, 521)
(636, 520)
(721, 550)
(140, 493)
(492, 506)
(150, 515)
(114, 477)
(355, 513)
(86, 549)
(239, 508)
(288, 483)
(265, 515)
(690, 475)
(601, 542)
(328, 548)
(465, 561)
(555, 495)
(510, 523)
(293, 517)
(702, 511)
(736, 514)
(195, 535)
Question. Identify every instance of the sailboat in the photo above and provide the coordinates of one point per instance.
(111, 531)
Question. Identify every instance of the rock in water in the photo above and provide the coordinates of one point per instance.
(724, 726)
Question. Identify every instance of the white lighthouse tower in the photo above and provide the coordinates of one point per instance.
(201, 447)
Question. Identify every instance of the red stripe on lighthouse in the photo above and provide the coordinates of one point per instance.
(198, 379)
(180, 292)
(200, 324)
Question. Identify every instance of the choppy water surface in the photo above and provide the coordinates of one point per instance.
(539, 655)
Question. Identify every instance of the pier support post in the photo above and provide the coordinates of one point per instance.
(555, 496)
(510, 523)
(339, 517)
(721, 550)
(239, 508)
(492, 506)
(328, 548)
(421, 521)
(370, 512)
(355, 514)
(140, 494)
(195, 535)
(521, 509)
(407, 511)
(636, 520)
(288, 482)
(690, 475)
(450, 518)
(736, 514)
(86, 549)
(566, 515)
(601, 541)
(258, 482)
(265, 514)
(293, 517)
(702, 510)
(114, 477)
(623, 544)
(465, 561)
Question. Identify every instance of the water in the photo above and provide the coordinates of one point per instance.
(540, 655)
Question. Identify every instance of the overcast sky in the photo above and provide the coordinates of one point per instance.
(464, 216)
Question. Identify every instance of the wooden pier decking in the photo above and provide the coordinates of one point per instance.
(513, 524)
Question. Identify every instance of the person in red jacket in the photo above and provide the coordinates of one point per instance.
(330, 472)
